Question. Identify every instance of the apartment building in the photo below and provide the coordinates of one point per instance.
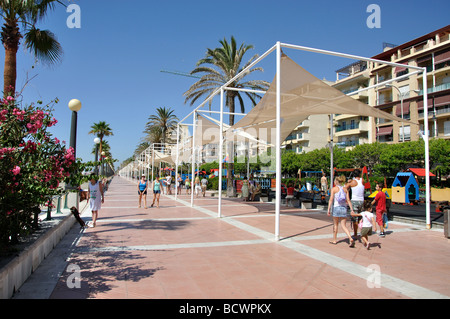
(403, 98)
(311, 134)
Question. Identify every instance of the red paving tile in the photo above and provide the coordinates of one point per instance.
(182, 252)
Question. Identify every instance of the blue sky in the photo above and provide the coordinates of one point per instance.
(113, 63)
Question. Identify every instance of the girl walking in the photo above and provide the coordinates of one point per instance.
(367, 222)
(142, 191)
(156, 187)
(339, 200)
(95, 198)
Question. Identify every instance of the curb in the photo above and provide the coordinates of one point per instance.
(19, 269)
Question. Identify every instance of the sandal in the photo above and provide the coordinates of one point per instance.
(352, 244)
(332, 242)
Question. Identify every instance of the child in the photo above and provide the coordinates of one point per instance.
(380, 200)
(367, 221)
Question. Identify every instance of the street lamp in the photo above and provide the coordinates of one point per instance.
(401, 105)
(97, 142)
(74, 106)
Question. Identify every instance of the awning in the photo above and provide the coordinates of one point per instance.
(398, 110)
(419, 171)
(384, 130)
(302, 95)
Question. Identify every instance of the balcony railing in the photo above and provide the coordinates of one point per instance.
(437, 88)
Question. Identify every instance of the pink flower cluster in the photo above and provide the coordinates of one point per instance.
(16, 170)
(6, 150)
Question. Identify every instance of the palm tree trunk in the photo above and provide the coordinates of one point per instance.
(10, 39)
(231, 190)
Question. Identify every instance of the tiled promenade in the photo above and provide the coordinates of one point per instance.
(180, 252)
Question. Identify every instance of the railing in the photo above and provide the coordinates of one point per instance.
(437, 88)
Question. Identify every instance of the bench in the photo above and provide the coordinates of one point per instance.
(306, 199)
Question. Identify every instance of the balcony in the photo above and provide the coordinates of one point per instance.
(436, 88)
(352, 129)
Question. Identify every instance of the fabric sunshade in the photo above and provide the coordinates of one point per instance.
(302, 95)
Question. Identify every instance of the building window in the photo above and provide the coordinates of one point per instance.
(447, 128)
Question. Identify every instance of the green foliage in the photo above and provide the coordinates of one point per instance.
(32, 166)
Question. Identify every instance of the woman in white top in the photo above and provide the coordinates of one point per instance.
(338, 204)
(95, 198)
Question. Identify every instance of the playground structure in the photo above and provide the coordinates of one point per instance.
(405, 189)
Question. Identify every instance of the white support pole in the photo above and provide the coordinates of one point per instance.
(193, 159)
(278, 145)
(331, 153)
(427, 147)
(176, 163)
(219, 214)
(153, 161)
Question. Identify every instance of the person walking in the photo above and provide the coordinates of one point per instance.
(179, 183)
(337, 205)
(197, 186)
(156, 187)
(187, 182)
(357, 198)
(142, 191)
(169, 183)
(95, 198)
(366, 223)
(204, 184)
(380, 201)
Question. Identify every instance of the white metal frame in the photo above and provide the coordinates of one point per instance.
(277, 47)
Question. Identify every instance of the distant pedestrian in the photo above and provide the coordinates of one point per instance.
(95, 198)
(169, 182)
(380, 201)
(357, 198)
(204, 184)
(324, 183)
(366, 223)
(156, 187)
(179, 183)
(197, 186)
(187, 182)
(142, 191)
(338, 206)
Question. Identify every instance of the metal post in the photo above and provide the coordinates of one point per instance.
(176, 163)
(278, 145)
(220, 154)
(193, 160)
(427, 148)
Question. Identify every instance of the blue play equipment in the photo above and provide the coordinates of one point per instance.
(405, 188)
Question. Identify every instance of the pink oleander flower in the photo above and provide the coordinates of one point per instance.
(16, 170)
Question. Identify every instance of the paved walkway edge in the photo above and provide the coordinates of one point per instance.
(14, 274)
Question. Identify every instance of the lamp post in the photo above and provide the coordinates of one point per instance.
(401, 105)
(97, 142)
(74, 106)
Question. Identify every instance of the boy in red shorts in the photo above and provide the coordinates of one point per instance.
(380, 200)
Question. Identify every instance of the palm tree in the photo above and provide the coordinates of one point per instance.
(219, 66)
(101, 129)
(42, 43)
(163, 123)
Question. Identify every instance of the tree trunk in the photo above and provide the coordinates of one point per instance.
(231, 190)
(10, 39)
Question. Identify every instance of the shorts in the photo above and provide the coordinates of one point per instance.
(356, 208)
(366, 231)
(139, 192)
(339, 211)
(157, 192)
